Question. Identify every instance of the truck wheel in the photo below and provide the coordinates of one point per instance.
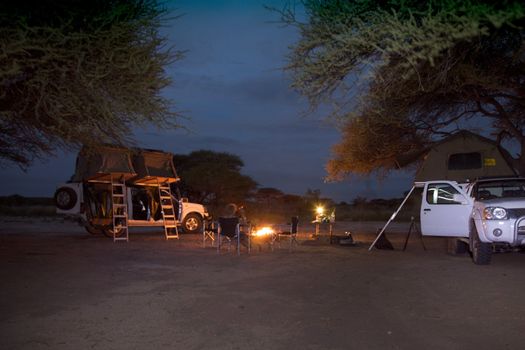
(481, 251)
(192, 223)
(93, 229)
(65, 198)
(456, 247)
(108, 231)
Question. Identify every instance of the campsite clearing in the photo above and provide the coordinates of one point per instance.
(64, 289)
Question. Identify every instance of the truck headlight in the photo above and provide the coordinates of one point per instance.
(495, 213)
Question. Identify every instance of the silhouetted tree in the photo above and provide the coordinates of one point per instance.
(213, 177)
(268, 195)
(402, 74)
(79, 72)
(359, 201)
(312, 195)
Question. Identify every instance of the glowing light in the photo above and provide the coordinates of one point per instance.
(319, 210)
(263, 231)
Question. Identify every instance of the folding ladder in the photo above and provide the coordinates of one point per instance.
(119, 210)
(168, 211)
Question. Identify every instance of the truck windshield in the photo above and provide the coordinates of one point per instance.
(500, 189)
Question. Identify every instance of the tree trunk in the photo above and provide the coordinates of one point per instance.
(519, 162)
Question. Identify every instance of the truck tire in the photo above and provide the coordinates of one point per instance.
(455, 246)
(94, 230)
(481, 251)
(65, 198)
(192, 223)
(108, 231)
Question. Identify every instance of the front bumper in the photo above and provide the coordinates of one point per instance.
(511, 231)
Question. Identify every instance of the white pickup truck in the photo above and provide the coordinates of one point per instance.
(477, 216)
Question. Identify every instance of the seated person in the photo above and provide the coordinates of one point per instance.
(232, 211)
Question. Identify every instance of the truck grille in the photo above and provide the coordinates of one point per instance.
(520, 227)
(516, 213)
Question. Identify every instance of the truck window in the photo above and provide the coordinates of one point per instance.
(500, 189)
(441, 193)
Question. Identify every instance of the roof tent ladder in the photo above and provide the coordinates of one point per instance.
(119, 209)
(168, 211)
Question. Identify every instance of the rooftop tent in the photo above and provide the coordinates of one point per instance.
(153, 167)
(464, 156)
(102, 162)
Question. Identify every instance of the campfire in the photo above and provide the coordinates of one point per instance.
(263, 232)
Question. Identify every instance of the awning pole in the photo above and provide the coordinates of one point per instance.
(391, 219)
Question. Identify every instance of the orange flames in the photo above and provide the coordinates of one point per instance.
(263, 231)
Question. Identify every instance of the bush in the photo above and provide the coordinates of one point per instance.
(17, 205)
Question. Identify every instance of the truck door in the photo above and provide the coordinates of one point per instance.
(445, 210)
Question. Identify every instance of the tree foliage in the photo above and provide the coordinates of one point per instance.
(79, 72)
(268, 195)
(401, 74)
(213, 178)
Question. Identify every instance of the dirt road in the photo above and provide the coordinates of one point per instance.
(63, 289)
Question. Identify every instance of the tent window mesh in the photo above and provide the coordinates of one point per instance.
(465, 161)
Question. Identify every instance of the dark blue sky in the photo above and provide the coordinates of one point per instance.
(231, 84)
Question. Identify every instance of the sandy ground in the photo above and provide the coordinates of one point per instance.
(64, 289)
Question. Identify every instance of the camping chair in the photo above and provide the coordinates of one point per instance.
(209, 229)
(229, 229)
(290, 232)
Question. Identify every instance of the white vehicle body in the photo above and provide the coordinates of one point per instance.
(71, 200)
(480, 214)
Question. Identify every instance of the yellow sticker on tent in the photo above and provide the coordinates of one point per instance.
(489, 162)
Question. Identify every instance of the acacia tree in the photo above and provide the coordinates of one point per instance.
(268, 195)
(401, 74)
(79, 72)
(213, 178)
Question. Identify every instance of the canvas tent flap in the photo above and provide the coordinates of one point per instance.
(154, 167)
(464, 156)
(100, 163)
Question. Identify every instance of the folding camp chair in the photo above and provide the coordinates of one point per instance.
(289, 232)
(209, 229)
(229, 229)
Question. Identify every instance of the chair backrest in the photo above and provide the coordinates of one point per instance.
(228, 226)
(210, 226)
(295, 224)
